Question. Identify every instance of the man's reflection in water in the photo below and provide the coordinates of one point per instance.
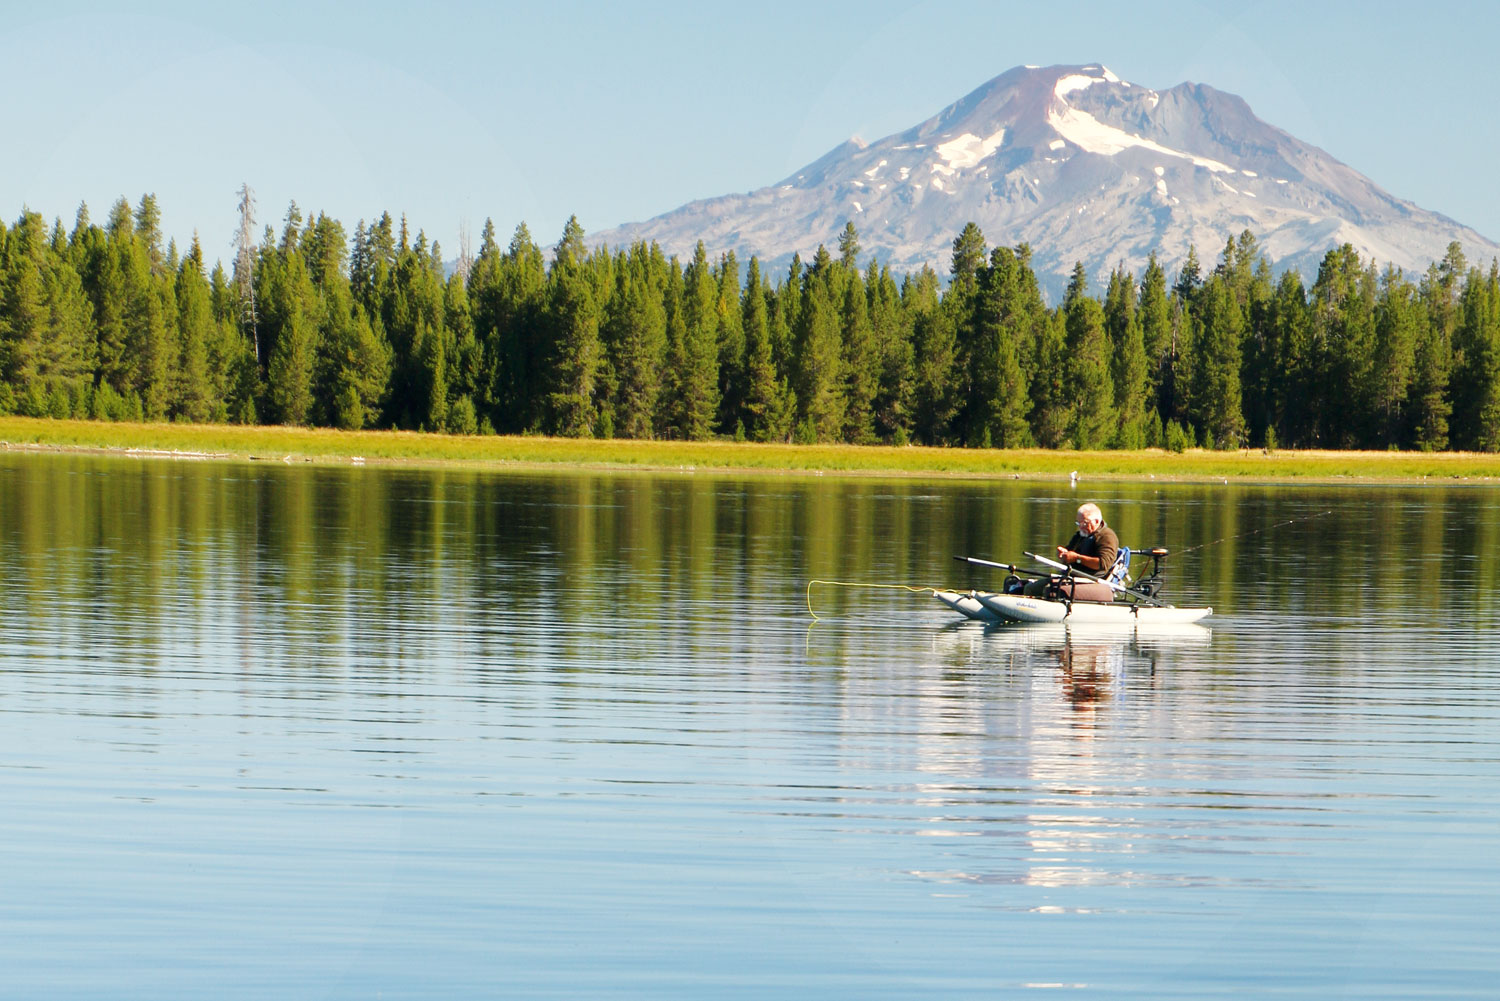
(1088, 671)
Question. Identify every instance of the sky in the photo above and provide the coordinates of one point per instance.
(454, 113)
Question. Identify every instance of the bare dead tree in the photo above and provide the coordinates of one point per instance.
(244, 265)
(465, 253)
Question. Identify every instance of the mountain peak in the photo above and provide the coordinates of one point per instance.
(1085, 167)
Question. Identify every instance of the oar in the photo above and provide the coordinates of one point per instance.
(1098, 580)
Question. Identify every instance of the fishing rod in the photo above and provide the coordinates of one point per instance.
(1258, 531)
(991, 563)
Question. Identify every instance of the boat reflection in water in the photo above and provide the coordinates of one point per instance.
(1092, 655)
(1083, 696)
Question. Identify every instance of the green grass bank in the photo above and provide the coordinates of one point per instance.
(408, 447)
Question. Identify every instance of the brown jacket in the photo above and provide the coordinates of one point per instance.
(1105, 544)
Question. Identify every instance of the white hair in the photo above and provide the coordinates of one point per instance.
(1091, 512)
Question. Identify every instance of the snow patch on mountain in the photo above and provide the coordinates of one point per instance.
(967, 150)
(1093, 136)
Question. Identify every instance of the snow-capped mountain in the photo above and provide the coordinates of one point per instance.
(1083, 166)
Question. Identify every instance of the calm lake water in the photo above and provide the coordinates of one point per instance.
(295, 732)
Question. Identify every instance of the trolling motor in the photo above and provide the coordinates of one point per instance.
(1151, 583)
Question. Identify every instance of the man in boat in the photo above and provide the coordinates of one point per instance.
(1092, 549)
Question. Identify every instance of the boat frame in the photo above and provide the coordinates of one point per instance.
(1138, 603)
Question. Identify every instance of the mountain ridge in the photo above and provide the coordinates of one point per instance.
(1081, 165)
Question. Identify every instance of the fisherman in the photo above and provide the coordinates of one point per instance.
(1092, 549)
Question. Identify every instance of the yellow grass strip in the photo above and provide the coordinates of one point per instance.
(324, 445)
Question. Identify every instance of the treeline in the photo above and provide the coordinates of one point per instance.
(312, 328)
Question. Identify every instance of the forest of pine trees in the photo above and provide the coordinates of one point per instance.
(103, 322)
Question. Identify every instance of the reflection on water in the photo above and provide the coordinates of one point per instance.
(319, 732)
(1094, 669)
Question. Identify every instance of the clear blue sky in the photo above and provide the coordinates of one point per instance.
(455, 112)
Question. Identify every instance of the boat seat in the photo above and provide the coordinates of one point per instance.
(1074, 589)
(1120, 572)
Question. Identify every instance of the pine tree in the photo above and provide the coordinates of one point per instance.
(820, 356)
(768, 404)
(1216, 397)
(465, 363)
(1190, 278)
(1122, 324)
(23, 312)
(1433, 356)
(1156, 332)
(103, 258)
(861, 360)
(148, 231)
(636, 327)
(849, 247)
(150, 347)
(193, 395)
(1053, 398)
(575, 351)
(1000, 330)
(353, 363)
(1087, 370)
(325, 252)
(968, 256)
(46, 322)
(1289, 345)
(289, 303)
(1398, 319)
(731, 337)
(697, 364)
(1343, 346)
(410, 309)
(893, 346)
(1476, 364)
(507, 290)
(935, 348)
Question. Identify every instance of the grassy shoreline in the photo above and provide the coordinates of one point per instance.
(234, 442)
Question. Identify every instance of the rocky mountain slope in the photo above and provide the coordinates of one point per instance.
(1083, 166)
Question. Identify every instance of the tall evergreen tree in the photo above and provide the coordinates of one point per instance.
(636, 327)
(1000, 328)
(1087, 370)
(820, 356)
(149, 342)
(1476, 364)
(935, 347)
(575, 350)
(769, 405)
(861, 359)
(1215, 396)
(1122, 324)
(1343, 346)
(1190, 277)
(697, 366)
(1156, 332)
(968, 256)
(289, 304)
(1398, 319)
(148, 231)
(893, 347)
(1433, 356)
(731, 348)
(193, 396)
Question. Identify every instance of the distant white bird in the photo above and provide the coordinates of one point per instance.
(1073, 478)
